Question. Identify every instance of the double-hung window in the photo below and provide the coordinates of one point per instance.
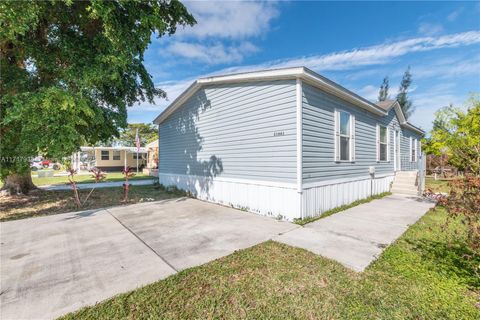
(413, 149)
(116, 155)
(383, 143)
(344, 136)
(105, 155)
(383, 147)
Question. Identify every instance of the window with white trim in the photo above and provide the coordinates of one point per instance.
(344, 136)
(413, 149)
(383, 143)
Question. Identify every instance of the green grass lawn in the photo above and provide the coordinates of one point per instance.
(440, 185)
(111, 176)
(41, 203)
(424, 275)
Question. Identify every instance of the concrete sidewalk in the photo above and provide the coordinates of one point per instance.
(357, 236)
(98, 185)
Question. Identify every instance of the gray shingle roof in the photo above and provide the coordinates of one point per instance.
(385, 105)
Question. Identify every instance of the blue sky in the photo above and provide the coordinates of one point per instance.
(353, 43)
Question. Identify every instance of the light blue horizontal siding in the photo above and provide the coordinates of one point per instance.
(318, 138)
(405, 149)
(228, 131)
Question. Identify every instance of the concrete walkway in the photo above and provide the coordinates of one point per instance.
(98, 185)
(357, 236)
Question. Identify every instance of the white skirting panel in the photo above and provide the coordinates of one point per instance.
(318, 199)
(267, 198)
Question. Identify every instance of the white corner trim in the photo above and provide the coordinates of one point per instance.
(299, 133)
(299, 104)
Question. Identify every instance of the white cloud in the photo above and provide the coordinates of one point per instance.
(379, 54)
(369, 92)
(454, 15)
(429, 29)
(449, 68)
(229, 19)
(214, 54)
(349, 60)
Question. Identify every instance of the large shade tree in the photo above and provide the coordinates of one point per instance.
(69, 70)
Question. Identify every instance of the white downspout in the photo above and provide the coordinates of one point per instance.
(124, 159)
(299, 144)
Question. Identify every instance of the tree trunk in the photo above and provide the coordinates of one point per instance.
(17, 184)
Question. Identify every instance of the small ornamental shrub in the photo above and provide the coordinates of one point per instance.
(99, 176)
(71, 173)
(464, 202)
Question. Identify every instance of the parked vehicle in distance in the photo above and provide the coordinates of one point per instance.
(36, 165)
(45, 163)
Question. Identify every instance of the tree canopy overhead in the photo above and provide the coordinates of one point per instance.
(70, 69)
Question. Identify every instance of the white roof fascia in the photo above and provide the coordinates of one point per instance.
(403, 120)
(129, 149)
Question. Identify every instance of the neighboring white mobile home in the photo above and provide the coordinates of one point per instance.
(109, 158)
(285, 142)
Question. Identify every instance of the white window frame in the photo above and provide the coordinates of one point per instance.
(337, 136)
(387, 143)
(413, 147)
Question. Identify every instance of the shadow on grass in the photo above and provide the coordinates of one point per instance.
(44, 203)
(452, 258)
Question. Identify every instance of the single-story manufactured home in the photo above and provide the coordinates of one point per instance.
(286, 142)
(109, 158)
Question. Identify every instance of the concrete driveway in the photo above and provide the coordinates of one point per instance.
(57, 264)
(357, 236)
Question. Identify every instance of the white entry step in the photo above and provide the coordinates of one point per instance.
(405, 182)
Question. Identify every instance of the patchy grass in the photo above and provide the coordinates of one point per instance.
(440, 185)
(325, 214)
(82, 178)
(41, 203)
(424, 275)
